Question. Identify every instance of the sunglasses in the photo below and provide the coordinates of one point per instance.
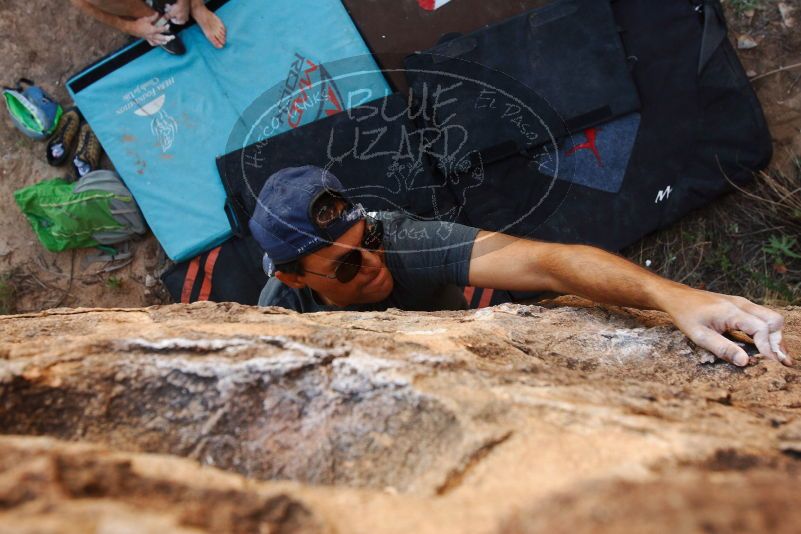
(350, 263)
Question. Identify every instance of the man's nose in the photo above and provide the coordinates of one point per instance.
(370, 260)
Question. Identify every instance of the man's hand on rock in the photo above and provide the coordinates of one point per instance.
(705, 316)
(146, 28)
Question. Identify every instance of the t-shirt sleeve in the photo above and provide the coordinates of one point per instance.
(276, 293)
(428, 253)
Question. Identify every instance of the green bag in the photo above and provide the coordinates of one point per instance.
(34, 112)
(96, 210)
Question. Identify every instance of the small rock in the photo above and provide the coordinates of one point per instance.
(746, 42)
(150, 281)
(785, 10)
(790, 437)
(5, 250)
(706, 356)
(792, 431)
(751, 73)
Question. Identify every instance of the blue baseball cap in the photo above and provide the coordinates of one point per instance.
(282, 223)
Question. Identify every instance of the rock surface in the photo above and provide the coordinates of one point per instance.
(226, 418)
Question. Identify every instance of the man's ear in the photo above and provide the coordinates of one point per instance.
(290, 279)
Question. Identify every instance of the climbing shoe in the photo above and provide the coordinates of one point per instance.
(88, 153)
(175, 47)
(63, 140)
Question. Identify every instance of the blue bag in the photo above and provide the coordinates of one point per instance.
(34, 112)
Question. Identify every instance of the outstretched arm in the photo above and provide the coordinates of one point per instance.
(504, 262)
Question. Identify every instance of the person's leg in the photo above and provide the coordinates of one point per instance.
(131, 9)
(133, 17)
(212, 26)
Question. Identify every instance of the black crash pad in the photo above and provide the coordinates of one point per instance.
(395, 28)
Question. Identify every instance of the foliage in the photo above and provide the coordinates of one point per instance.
(743, 5)
(781, 248)
(114, 283)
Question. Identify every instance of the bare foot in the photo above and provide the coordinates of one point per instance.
(212, 26)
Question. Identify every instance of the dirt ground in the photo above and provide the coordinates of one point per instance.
(779, 93)
(49, 49)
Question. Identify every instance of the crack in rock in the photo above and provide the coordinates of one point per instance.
(456, 476)
(303, 413)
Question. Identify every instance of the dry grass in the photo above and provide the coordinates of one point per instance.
(7, 296)
(745, 244)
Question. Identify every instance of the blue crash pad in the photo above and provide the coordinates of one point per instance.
(163, 119)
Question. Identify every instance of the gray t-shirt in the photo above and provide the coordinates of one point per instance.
(429, 262)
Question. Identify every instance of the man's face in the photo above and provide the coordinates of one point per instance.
(373, 283)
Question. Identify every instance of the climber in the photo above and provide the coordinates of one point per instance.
(151, 20)
(326, 253)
